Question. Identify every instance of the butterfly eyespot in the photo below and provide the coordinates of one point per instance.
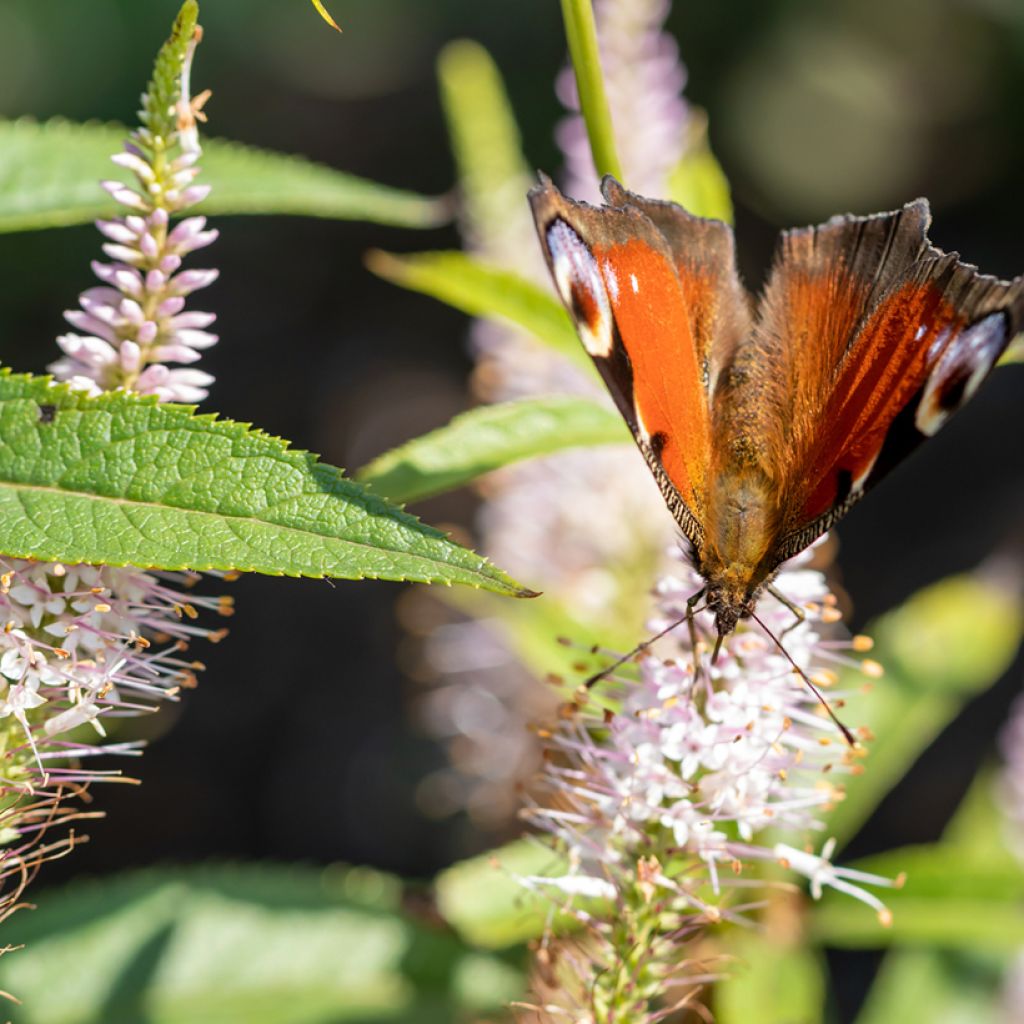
(960, 370)
(582, 287)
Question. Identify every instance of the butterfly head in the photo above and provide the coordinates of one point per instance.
(731, 599)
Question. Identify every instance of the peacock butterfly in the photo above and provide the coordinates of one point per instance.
(764, 421)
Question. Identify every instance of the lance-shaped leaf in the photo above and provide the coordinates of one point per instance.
(487, 438)
(49, 174)
(480, 290)
(123, 480)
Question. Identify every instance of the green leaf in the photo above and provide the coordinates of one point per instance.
(698, 182)
(263, 945)
(481, 290)
(124, 480)
(487, 438)
(947, 643)
(924, 986)
(493, 174)
(771, 982)
(947, 901)
(49, 174)
(481, 899)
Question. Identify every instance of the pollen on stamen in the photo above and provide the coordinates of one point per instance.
(872, 668)
(861, 643)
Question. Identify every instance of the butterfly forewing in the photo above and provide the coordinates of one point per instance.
(882, 338)
(651, 332)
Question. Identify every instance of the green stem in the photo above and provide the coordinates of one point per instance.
(581, 34)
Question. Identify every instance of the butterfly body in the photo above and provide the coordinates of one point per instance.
(764, 422)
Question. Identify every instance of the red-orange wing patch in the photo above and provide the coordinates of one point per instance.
(880, 350)
(650, 332)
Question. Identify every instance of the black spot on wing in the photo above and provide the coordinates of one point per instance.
(844, 485)
(617, 373)
(901, 439)
(951, 394)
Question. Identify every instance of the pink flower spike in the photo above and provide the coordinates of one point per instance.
(147, 332)
(117, 231)
(127, 197)
(149, 247)
(189, 281)
(93, 352)
(174, 353)
(186, 229)
(192, 319)
(156, 281)
(122, 253)
(170, 306)
(81, 320)
(153, 377)
(132, 312)
(187, 159)
(129, 281)
(130, 356)
(197, 339)
(139, 167)
(194, 194)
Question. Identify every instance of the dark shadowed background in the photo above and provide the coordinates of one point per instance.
(297, 744)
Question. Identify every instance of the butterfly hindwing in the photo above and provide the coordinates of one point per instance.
(654, 328)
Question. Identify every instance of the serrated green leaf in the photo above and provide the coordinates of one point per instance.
(49, 174)
(123, 480)
(263, 945)
(480, 290)
(946, 902)
(771, 982)
(481, 899)
(944, 645)
(487, 438)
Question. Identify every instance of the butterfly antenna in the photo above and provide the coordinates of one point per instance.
(642, 646)
(847, 735)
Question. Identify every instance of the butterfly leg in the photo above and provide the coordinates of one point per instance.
(801, 615)
(691, 625)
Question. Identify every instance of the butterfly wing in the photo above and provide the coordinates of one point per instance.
(877, 338)
(653, 293)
